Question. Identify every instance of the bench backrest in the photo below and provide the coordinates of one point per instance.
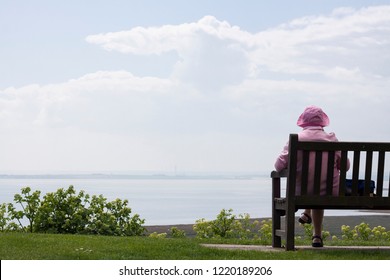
(367, 162)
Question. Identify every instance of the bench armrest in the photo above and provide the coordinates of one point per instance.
(275, 175)
(280, 174)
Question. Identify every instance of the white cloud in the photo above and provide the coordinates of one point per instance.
(89, 100)
(314, 44)
(229, 103)
(156, 40)
(211, 52)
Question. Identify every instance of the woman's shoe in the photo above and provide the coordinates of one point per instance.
(304, 219)
(317, 243)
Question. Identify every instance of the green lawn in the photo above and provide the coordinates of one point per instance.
(19, 246)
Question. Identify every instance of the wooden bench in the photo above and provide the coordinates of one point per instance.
(367, 161)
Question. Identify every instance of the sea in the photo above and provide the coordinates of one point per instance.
(162, 199)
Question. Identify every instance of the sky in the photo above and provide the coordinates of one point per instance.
(184, 87)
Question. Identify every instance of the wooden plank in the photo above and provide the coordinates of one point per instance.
(290, 227)
(330, 173)
(344, 146)
(380, 173)
(281, 174)
(355, 173)
(346, 202)
(367, 175)
(305, 171)
(275, 188)
(292, 165)
(276, 214)
(343, 172)
(317, 173)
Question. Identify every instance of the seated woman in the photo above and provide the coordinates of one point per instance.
(313, 120)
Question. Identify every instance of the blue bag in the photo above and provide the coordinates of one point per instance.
(348, 183)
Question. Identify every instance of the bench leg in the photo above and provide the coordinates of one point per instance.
(276, 214)
(290, 229)
(276, 225)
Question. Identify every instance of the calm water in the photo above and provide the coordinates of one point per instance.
(167, 201)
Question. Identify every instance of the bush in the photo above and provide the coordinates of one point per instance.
(265, 231)
(244, 228)
(227, 226)
(3, 217)
(113, 218)
(158, 235)
(65, 211)
(364, 232)
(221, 227)
(29, 203)
(177, 233)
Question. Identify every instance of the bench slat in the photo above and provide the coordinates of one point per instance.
(305, 171)
(380, 173)
(346, 202)
(292, 165)
(367, 175)
(344, 146)
(343, 173)
(330, 173)
(317, 172)
(355, 172)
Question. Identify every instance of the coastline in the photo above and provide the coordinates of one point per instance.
(331, 223)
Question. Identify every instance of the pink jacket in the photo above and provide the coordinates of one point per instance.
(307, 134)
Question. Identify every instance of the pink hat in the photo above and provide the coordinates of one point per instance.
(313, 116)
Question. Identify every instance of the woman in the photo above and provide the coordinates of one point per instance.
(313, 120)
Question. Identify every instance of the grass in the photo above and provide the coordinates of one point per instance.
(22, 246)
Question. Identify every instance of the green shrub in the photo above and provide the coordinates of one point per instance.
(265, 231)
(223, 225)
(177, 233)
(364, 232)
(203, 229)
(226, 225)
(4, 219)
(65, 211)
(158, 235)
(380, 233)
(29, 202)
(113, 218)
(244, 228)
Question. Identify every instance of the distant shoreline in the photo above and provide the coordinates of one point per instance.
(136, 176)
